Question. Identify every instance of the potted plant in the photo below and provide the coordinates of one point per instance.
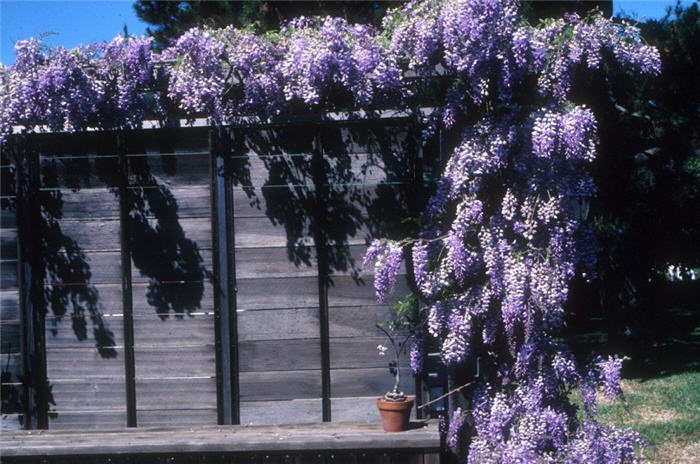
(395, 407)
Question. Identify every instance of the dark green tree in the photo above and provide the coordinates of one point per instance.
(646, 214)
(171, 19)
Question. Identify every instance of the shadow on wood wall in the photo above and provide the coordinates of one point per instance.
(359, 185)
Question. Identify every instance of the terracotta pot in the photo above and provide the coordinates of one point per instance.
(395, 414)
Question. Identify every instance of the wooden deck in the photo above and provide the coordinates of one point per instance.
(419, 444)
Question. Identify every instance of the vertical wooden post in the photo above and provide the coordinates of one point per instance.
(127, 298)
(417, 203)
(320, 185)
(223, 240)
(30, 275)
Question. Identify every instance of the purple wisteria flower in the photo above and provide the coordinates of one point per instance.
(609, 374)
(387, 257)
(417, 355)
(455, 429)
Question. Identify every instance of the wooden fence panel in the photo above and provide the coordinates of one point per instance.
(372, 178)
(286, 201)
(173, 302)
(10, 342)
(279, 349)
(82, 284)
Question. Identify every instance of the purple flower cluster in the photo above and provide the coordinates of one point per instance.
(507, 258)
(197, 81)
(415, 32)
(560, 48)
(527, 426)
(254, 67)
(417, 355)
(571, 134)
(126, 72)
(455, 429)
(227, 73)
(387, 257)
(610, 376)
(102, 85)
(325, 55)
(50, 88)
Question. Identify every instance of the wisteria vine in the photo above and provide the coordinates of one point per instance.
(503, 233)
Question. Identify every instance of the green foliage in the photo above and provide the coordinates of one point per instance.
(172, 18)
(646, 211)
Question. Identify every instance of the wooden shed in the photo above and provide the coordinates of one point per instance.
(200, 275)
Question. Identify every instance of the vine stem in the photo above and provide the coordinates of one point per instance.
(445, 395)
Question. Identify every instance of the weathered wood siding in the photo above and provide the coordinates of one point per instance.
(81, 232)
(371, 178)
(282, 207)
(9, 298)
(277, 277)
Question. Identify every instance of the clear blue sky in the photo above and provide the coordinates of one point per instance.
(76, 22)
(88, 21)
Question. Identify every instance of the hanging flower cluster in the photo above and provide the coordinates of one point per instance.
(504, 232)
(99, 85)
(325, 57)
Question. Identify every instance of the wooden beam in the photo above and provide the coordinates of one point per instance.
(423, 437)
(127, 297)
(225, 301)
(320, 231)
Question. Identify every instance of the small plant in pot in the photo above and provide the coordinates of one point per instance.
(395, 407)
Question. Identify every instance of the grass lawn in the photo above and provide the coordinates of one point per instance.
(665, 410)
(661, 389)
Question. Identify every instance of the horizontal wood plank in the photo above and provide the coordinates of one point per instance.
(177, 169)
(8, 275)
(12, 366)
(8, 217)
(295, 292)
(280, 385)
(344, 322)
(282, 324)
(175, 363)
(88, 396)
(182, 394)
(103, 235)
(260, 232)
(9, 337)
(273, 262)
(357, 321)
(279, 355)
(9, 422)
(297, 411)
(176, 417)
(87, 420)
(83, 363)
(368, 382)
(187, 296)
(8, 243)
(9, 305)
(102, 203)
(306, 438)
(361, 352)
(103, 267)
(346, 291)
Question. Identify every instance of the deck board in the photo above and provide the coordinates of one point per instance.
(320, 437)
